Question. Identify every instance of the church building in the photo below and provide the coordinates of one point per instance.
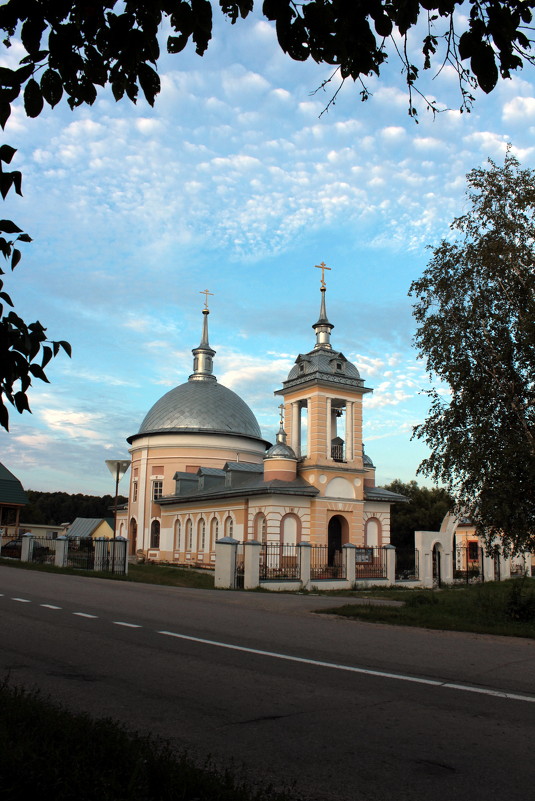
(201, 469)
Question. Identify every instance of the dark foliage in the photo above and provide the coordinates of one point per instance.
(55, 508)
(475, 310)
(73, 756)
(424, 512)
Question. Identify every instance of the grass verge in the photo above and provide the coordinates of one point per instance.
(505, 608)
(146, 574)
(68, 756)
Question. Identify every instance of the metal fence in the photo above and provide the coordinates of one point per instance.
(43, 551)
(326, 563)
(81, 553)
(278, 561)
(407, 564)
(468, 564)
(370, 562)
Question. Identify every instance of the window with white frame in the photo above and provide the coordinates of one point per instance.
(214, 532)
(202, 534)
(177, 535)
(229, 526)
(189, 535)
(157, 490)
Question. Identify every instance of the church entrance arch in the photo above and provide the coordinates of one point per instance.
(133, 536)
(337, 534)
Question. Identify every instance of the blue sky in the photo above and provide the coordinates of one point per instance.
(235, 183)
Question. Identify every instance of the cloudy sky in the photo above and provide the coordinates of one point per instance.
(236, 182)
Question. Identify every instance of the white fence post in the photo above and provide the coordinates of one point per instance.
(349, 555)
(251, 564)
(390, 553)
(120, 547)
(62, 546)
(225, 563)
(305, 552)
(26, 550)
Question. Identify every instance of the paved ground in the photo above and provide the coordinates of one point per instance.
(338, 709)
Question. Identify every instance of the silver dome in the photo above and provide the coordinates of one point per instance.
(280, 450)
(323, 362)
(201, 406)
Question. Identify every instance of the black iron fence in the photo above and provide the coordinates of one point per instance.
(81, 553)
(278, 561)
(326, 563)
(468, 563)
(370, 562)
(43, 551)
(407, 564)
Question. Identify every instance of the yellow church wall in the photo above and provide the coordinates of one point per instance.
(322, 509)
(159, 457)
(376, 511)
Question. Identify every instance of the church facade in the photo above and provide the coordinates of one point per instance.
(201, 470)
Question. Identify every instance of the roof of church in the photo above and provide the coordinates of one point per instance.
(255, 487)
(380, 494)
(11, 490)
(323, 364)
(201, 404)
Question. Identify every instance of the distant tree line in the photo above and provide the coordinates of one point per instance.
(55, 508)
(424, 511)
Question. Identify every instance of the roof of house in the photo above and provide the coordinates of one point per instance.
(380, 494)
(85, 526)
(11, 490)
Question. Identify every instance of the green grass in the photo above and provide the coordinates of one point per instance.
(146, 574)
(54, 753)
(506, 608)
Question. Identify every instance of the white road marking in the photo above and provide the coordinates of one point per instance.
(84, 614)
(49, 606)
(350, 669)
(22, 600)
(128, 625)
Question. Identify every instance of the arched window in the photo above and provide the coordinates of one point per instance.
(178, 532)
(229, 526)
(133, 535)
(290, 529)
(373, 532)
(260, 528)
(189, 535)
(155, 534)
(201, 538)
(214, 532)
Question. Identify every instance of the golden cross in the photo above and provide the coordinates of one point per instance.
(322, 267)
(205, 293)
(281, 407)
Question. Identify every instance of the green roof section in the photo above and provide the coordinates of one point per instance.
(11, 490)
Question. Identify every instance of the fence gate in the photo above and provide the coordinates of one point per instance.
(81, 553)
(468, 563)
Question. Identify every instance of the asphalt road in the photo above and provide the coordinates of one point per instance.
(336, 709)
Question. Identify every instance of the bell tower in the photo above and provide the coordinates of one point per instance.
(323, 408)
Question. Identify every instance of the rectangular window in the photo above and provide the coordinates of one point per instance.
(473, 551)
(157, 490)
(134, 492)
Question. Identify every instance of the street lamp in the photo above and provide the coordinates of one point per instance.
(117, 468)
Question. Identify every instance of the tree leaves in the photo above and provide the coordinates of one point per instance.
(475, 314)
(33, 99)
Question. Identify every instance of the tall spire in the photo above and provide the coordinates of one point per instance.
(323, 327)
(203, 355)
